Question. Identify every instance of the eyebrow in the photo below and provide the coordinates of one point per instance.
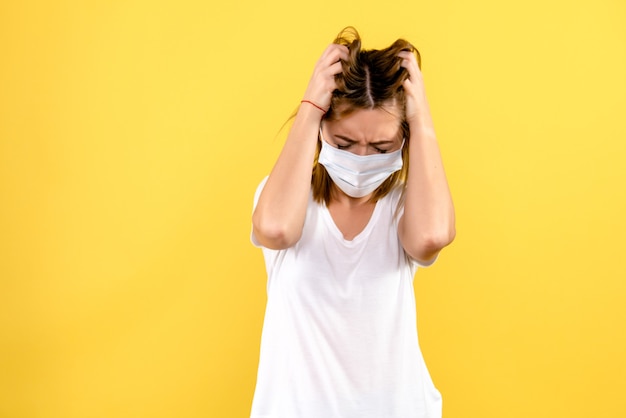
(384, 141)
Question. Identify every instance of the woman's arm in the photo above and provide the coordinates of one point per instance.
(428, 221)
(279, 215)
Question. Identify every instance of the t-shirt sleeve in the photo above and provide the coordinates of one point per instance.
(427, 264)
(259, 189)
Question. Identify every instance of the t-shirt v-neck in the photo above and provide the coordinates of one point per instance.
(363, 234)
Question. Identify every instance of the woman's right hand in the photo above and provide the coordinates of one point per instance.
(279, 215)
(322, 83)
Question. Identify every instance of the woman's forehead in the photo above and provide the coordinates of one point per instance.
(365, 123)
(345, 107)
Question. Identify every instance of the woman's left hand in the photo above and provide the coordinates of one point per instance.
(417, 110)
(428, 221)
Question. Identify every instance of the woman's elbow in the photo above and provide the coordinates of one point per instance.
(428, 246)
(445, 237)
(449, 236)
(275, 235)
(434, 243)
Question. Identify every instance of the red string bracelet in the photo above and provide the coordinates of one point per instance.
(313, 104)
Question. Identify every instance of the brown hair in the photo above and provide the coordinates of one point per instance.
(370, 79)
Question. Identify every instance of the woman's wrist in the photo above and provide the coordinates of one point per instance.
(420, 132)
(314, 104)
(310, 111)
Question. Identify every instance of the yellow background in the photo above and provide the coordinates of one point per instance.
(134, 133)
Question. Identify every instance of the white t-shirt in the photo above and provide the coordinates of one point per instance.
(340, 334)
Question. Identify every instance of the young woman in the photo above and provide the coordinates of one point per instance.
(356, 201)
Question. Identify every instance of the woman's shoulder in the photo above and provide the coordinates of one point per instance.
(259, 189)
(394, 202)
(395, 195)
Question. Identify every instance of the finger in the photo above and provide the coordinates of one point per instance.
(410, 57)
(411, 66)
(407, 59)
(335, 52)
(336, 68)
(344, 51)
(340, 52)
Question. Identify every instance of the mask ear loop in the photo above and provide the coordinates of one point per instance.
(322, 135)
(320, 145)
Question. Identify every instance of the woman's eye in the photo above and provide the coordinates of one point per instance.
(380, 150)
(339, 146)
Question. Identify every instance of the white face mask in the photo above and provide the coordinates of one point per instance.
(358, 175)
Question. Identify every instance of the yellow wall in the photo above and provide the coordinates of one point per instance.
(133, 135)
